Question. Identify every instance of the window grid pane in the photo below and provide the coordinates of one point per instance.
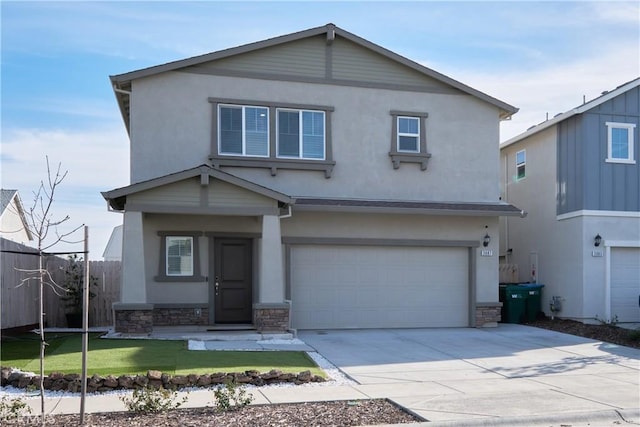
(312, 135)
(288, 134)
(256, 131)
(231, 130)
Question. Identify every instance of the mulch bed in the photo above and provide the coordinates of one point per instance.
(337, 413)
(601, 332)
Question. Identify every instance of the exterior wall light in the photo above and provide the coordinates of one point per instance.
(486, 240)
(597, 240)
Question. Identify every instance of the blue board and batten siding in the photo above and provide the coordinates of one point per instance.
(585, 180)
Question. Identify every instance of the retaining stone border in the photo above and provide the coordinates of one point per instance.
(155, 379)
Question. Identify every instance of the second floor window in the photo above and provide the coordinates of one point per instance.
(301, 134)
(244, 130)
(521, 164)
(409, 134)
(620, 142)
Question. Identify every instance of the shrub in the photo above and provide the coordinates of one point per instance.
(148, 400)
(10, 409)
(231, 397)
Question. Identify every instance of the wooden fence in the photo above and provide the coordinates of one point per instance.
(19, 301)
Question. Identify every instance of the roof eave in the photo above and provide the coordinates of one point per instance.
(568, 114)
(117, 198)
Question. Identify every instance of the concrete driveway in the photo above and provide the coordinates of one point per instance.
(509, 375)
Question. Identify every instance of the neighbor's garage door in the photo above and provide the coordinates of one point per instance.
(334, 287)
(625, 284)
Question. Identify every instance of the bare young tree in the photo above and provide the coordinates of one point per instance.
(44, 228)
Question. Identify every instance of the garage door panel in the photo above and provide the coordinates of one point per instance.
(377, 287)
(625, 284)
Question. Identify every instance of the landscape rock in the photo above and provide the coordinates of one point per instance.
(72, 382)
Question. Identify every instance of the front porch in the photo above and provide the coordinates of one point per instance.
(269, 319)
(231, 334)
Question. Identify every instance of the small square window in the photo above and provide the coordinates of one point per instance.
(521, 163)
(620, 142)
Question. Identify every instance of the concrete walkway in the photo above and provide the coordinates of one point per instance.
(510, 375)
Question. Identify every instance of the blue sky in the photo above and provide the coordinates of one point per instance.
(542, 57)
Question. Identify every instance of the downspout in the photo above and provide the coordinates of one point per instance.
(118, 90)
(288, 214)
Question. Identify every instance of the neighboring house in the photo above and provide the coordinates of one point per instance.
(313, 180)
(13, 223)
(113, 250)
(578, 177)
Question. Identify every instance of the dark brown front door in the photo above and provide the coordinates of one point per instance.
(232, 281)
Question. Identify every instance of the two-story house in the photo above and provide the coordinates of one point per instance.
(312, 180)
(578, 177)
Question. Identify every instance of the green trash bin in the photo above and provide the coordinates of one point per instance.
(514, 303)
(533, 300)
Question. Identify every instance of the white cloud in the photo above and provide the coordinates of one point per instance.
(553, 89)
(96, 160)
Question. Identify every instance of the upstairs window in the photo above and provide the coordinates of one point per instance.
(408, 134)
(244, 131)
(409, 139)
(271, 135)
(620, 142)
(301, 134)
(521, 164)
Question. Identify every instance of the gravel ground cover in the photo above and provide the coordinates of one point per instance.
(338, 413)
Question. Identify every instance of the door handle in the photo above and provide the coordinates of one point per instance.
(217, 285)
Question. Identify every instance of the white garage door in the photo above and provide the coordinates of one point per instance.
(625, 284)
(337, 287)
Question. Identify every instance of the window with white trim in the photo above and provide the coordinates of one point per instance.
(179, 257)
(408, 134)
(620, 142)
(521, 164)
(409, 138)
(243, 130)
(301, 134)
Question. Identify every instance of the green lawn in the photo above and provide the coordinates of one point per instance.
(117, 357)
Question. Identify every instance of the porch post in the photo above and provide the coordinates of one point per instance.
(271, 270)
(133, 287)
(271, 312)
(133, 315)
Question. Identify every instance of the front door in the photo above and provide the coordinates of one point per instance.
(232, 284)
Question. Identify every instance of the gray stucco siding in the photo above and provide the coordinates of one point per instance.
(375, 228)
(460, 130)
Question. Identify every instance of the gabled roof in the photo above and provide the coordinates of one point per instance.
(122, 82)
(606, 96)
(118, 197)
(6, 197)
